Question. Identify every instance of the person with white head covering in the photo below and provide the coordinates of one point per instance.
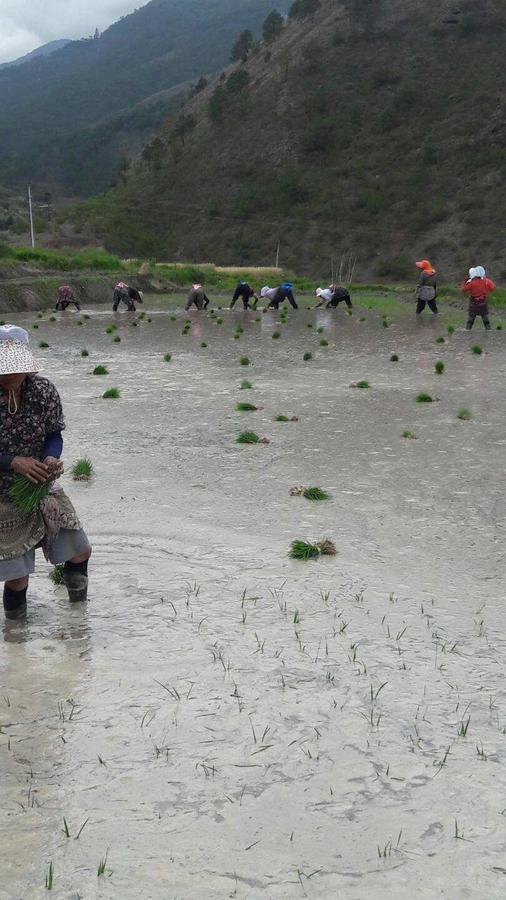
(278, 295)
(333, 296)
(31, 444)
(478, 286)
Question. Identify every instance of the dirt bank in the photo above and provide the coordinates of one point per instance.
(21, 290)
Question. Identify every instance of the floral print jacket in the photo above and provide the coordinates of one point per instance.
(24, 432)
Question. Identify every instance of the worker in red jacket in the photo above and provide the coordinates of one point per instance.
(478, 286)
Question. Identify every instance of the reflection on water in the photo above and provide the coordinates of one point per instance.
(215, 713)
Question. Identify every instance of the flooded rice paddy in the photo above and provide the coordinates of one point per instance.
(220, 720)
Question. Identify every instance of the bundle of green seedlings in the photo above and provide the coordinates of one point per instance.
(424, 398)
(111, 394)
(282, 418)
(439, 367)
(360, 384)
(28, 496)
(476, 350)
(56, 574)
(310, 493)
(100, 370)
(302, 550)
(250, 437)
(246, 407)
(82, 470)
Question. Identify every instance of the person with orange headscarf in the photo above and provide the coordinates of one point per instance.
(426, 290)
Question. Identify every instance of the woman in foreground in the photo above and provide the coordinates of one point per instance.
(31, 444)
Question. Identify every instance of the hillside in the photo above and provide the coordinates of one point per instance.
(62, 99)
(43, 50)
(372, 129)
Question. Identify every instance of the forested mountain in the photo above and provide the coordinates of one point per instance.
(44, 50)
(371, 127)
(67, 119)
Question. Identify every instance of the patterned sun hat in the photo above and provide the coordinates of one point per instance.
(15, 354)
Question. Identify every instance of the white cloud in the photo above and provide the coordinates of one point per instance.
(26, 24)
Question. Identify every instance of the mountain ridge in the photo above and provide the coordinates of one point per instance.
(43, 50)
(55, 97)
(365, 129)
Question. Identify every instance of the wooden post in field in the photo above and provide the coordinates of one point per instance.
(32, 233)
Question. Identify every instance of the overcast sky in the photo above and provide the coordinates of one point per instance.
(26, 24)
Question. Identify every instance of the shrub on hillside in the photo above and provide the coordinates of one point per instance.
(301, 8)
(217, 104)
(242, 46)
(319, 133)
(272, 27)
(238, 81)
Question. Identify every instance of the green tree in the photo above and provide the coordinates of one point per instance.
(242, 46)
(272, 27)
(301, 8)
(217, 104)
(238, 81)
(183, 126)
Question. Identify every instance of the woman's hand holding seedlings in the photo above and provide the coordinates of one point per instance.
(31, 468)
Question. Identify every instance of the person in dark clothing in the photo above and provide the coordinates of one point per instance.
(198, 297)
(478, 286)
(278, 295)
(426, 291)
(245, 292)
(332, 297)
(134, 296)
(66, 297)
(121, 296)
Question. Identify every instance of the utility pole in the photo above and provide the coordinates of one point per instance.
(277, 257)
(32, 233)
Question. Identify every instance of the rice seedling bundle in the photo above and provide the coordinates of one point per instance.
(82, 470)
(303, 550)
(247, 437)
(56, 573)
(315, 494)
(246, 407)
(100, 370)
(111, 394)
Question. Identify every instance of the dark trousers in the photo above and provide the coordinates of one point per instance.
(333, 304)
(282, 295)
(245, 302)
(130, 305)
(62, 304)
(477, 309)
(420, 306)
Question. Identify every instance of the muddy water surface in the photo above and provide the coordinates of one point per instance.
(223, 721)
